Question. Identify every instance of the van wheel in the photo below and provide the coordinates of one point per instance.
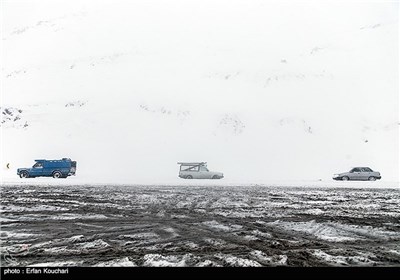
(57, 174)
(345, 178)
(372, 178)
(24, 174)
(189, 177)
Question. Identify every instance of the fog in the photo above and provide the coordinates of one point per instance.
(261, 90)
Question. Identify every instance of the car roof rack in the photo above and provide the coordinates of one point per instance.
(192, 163)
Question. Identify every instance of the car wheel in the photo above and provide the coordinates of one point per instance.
(57, 174)
(372, 178)
(345, 178)
(24, 174)
(189, 177)
(215, 177)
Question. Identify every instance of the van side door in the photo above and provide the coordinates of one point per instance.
(36, 170)
(192, 170)
(204, 173)
(47, 168)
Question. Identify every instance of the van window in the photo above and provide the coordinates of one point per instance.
(38, 165)
(203, 168)
(190, 168)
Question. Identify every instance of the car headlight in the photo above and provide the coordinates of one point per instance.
(335, 175)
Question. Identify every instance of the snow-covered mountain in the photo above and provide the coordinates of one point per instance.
(260, 90)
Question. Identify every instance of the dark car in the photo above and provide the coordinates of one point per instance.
(359, 174)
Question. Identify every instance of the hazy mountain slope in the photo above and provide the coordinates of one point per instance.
(259, 90)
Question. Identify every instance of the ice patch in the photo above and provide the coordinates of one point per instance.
(147, 199)
(322, 231)
(267, 260)
(141, 235)
(394, 252)
(52, 264)
(36, 208)
(171, 231)
(96, 244)
(47, 200)
(242, 213)
(250, 238)
(72, 239)
(236, 261)
(183, 204)
(179, 216)
(342, 260)
(215, 242)
(220, 227)
(336, 232)
(207, 263)
(189, 245)
(162, 261)
(68, 216)
(319, 202)
(5, 220)
(262, 234)
(57, 250)
(161, 213)
(228, 202)
(18, 249)
(15, 235)
(316, 211)
(89, 225)
(123, 262)
(279, 204)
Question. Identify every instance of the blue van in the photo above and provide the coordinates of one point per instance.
(46, 168)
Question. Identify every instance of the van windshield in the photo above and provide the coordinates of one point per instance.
(203, 168)
(37, 165)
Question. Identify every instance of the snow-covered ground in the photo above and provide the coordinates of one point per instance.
(277, 95)
(10, 177)
(231, 225)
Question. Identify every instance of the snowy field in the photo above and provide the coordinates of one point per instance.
(336, 224)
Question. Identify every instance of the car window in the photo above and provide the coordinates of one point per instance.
(356, 170)
(366, 169)
(203, 168)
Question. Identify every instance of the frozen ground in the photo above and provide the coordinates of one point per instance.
(194, 225)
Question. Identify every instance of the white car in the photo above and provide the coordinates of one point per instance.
(197, 170)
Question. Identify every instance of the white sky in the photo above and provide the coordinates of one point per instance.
(277, 66)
